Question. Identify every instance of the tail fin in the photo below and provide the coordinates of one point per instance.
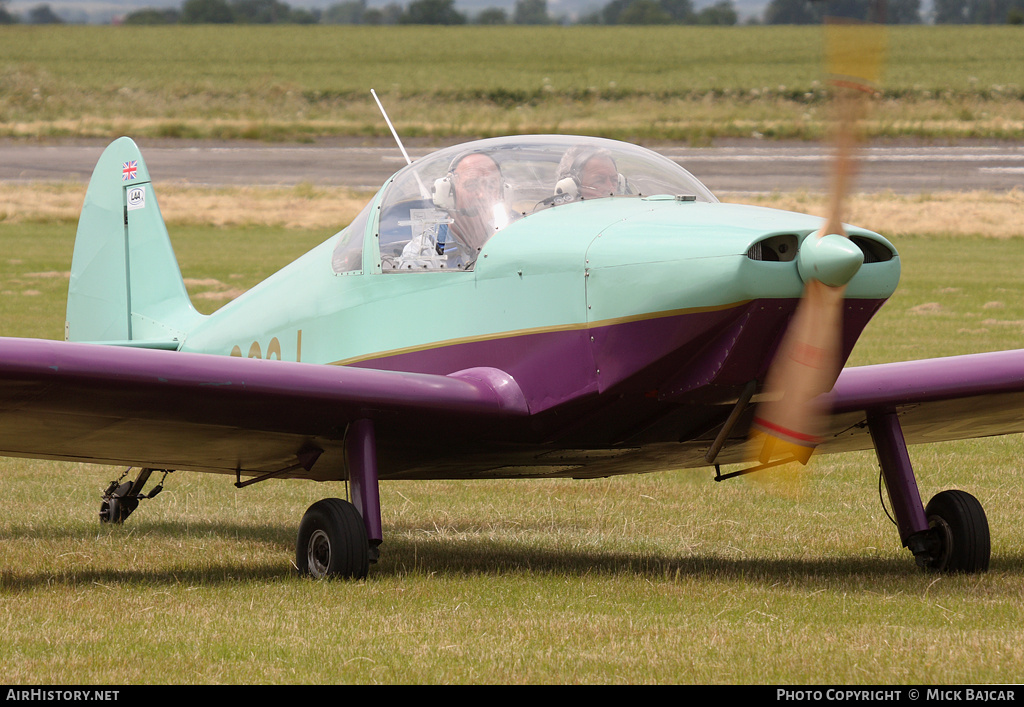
(126, 287)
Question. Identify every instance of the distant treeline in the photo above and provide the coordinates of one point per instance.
(535, 12)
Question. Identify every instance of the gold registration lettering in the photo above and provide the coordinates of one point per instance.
(273, 349)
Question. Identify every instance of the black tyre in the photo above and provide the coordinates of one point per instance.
(332, 541)
(960, 528)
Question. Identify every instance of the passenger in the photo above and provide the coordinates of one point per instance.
(587, 172)
(473, 194)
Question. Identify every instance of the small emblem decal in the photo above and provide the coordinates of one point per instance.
(129, 170)
(136, 198)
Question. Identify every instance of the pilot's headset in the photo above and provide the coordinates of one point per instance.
(443, 191)
(571, 167)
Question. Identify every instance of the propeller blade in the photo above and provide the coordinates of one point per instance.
(854, 52)
(788, 423)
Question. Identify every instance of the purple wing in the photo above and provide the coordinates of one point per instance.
(113, 405)
(938, 399)
(162, 409)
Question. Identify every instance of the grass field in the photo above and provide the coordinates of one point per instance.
(680, 83)
(667, 578)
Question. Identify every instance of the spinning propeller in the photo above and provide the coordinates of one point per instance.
(788, 423)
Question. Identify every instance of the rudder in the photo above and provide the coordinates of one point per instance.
(126, 287)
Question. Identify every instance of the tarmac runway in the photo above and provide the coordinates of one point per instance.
(738, 167)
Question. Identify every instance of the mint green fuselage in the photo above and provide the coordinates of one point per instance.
(576, 266)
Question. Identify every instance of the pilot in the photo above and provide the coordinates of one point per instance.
(473, 193)
(587, 172)
(476, 200)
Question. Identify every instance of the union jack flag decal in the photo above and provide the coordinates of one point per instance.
(129, 170)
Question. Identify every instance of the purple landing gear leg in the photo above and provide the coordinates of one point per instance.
(338, 538)
(361, 451)
(951, 533)
(891, 449)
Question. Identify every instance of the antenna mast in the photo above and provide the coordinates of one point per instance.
(392, 127)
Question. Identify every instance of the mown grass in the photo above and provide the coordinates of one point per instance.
(667, 578)
(681, 83)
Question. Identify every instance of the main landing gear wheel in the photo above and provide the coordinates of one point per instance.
(332, 541)
(960, 531)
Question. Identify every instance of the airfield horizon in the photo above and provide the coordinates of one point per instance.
(685, 83)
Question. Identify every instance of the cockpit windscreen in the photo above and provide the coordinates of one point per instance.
(439, 211)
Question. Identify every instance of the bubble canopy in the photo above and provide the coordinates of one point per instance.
(439, 211)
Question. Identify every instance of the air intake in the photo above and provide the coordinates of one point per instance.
(774, 249)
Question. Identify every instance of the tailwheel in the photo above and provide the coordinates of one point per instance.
(332, 541)
(118, 505)
(959, 530)
(121, 499)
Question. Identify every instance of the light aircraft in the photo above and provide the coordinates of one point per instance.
(593, 331)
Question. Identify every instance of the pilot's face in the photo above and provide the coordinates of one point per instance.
(477, 184)
(598, 178)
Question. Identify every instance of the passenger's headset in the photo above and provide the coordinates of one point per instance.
(443, 191)
(569, 186)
